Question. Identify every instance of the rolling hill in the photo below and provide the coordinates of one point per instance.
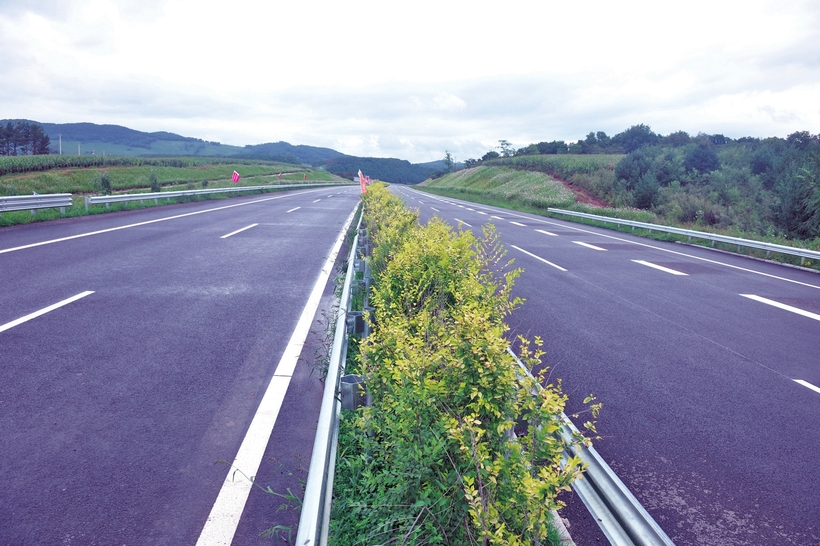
(92, 138)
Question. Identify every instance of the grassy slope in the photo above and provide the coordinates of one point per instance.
(528, 188)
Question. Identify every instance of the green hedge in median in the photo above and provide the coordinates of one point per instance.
(455, 448)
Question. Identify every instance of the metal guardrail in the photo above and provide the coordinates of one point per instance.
(619, 514)
(10, 203)
(314, 519)
(768, 247)
(156, 196)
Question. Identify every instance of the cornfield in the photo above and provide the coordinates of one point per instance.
(560, 166)
(34, 163)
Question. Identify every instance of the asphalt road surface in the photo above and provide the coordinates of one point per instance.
(134, 350)
(696, 356)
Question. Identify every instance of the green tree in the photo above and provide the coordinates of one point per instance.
(449, 164)
(702, 157)
(507, 149)
(635, 137)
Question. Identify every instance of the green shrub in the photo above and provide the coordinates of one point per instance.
(455, 449)
(105, 183)
(204, 184)
(154, 181)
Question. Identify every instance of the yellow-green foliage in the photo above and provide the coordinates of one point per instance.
(530, 188)
(435, 460)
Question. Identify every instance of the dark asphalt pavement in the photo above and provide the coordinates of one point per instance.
(120, 411)
(702, 417)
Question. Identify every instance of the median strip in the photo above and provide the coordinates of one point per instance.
(43, 311)
(783, 306)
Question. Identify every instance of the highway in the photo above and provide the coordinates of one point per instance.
(135, 351)
(707, 365)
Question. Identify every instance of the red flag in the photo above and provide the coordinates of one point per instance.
(305, 178)
(235, 177)
(362, 181)
(280, 176)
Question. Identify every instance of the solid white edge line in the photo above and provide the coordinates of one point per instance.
(294, 208)
(661, 268)
(807, 384)
(783, 306)
(538, 258)
(593, 247)
(546, 233)
(44, 310)
(147, 222)
(224, 518)
(238, 231)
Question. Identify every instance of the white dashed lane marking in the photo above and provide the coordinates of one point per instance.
(538, 258)
(593, 247)
(783, 306)
(660, 268)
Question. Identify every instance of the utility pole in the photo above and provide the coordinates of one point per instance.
(60, 136)
(78, 148)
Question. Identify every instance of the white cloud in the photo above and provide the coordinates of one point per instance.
(369, 78)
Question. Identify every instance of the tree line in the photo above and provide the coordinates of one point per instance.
(769, 186)
(23, 138)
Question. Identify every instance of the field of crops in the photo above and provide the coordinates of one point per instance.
(127, 177)
(534, 189)
(34, 163)
(563, 166)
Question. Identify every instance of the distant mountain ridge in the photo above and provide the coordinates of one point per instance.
(91, 138)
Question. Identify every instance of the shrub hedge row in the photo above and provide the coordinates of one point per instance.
(455, 448)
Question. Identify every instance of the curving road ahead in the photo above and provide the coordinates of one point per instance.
(134, 350)
(707, 365)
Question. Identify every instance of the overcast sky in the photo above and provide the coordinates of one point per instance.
(413, 79)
